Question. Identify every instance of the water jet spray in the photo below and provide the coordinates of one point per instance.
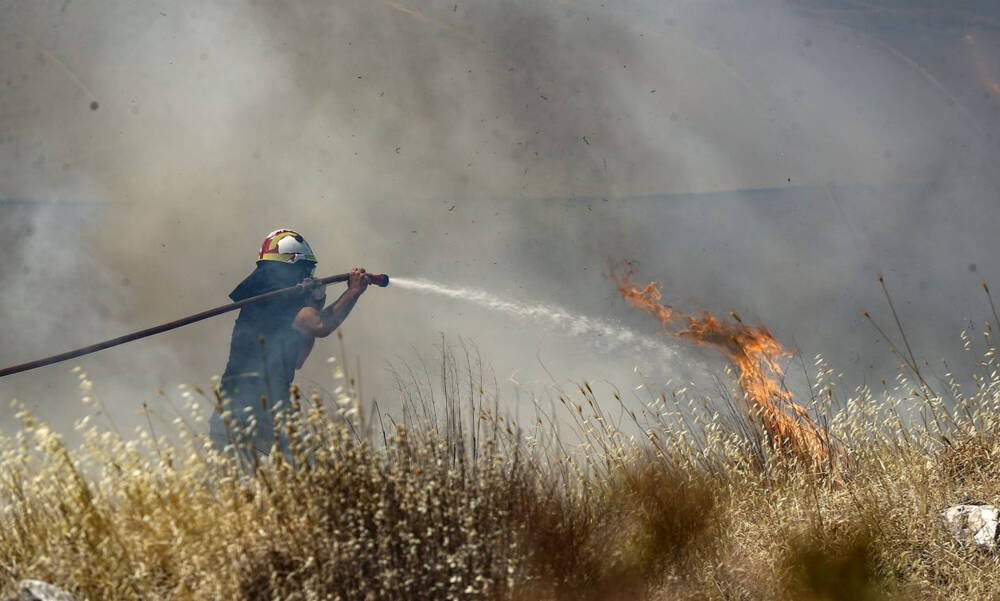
(611, 335)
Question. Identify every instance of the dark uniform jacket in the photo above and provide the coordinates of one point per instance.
(263, 352)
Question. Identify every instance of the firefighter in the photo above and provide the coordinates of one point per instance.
(272, 338)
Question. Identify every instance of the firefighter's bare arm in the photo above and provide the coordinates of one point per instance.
(321, 323)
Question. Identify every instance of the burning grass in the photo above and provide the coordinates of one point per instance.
(679, 497)
(756, 354)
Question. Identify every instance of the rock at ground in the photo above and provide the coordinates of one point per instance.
(973, 524)
(36, 590)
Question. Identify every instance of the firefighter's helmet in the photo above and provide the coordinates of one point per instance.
(285, 246)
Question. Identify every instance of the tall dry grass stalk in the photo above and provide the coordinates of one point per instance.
(676, 497)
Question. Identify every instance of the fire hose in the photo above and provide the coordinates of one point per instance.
(377, 279)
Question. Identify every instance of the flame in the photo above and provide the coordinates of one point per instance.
(756, 354)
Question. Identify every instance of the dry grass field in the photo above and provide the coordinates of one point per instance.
(685, 497)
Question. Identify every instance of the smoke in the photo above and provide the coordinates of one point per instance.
(769, 159)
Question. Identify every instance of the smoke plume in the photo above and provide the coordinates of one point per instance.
(770, 158)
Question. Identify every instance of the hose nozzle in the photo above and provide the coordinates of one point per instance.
(379, 279)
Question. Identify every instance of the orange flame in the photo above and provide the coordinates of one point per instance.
(755, 353)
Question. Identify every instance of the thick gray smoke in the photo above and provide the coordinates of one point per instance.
(770, 159)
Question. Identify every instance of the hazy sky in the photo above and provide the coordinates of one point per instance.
(769, 158)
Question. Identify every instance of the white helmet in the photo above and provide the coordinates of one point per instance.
(285, 246)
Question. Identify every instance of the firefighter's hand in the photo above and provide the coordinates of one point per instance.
(358, 280)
